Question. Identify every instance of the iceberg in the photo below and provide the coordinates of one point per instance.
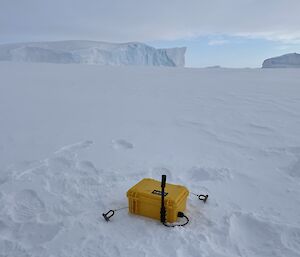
(92, 52)
(284, 61)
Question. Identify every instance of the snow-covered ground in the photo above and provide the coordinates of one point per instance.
(75, 138)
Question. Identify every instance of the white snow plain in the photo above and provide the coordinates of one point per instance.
(75, 138)
(93, 52)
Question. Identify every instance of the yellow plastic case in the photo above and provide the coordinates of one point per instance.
(145, 199)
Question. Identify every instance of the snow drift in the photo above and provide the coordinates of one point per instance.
(284, 61)
(90, 52)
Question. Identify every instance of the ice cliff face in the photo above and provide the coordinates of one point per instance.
(284, 61)
(90, 52)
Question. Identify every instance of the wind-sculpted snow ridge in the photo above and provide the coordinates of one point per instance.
(90, 52)
(284, 61)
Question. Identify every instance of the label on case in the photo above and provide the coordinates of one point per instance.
(158, 192)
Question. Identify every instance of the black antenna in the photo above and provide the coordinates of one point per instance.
(163, 209)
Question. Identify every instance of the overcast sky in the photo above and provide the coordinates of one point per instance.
(164, 22)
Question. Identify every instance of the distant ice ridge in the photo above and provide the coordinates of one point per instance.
(92, 52)
(284, 61)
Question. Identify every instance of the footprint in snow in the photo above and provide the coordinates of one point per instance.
(291, 239)
(255, 237)
(121, 144)
(27, 205)
(209, 174)
(33, 234)
(12, 248)
(70, 151)
(156, 173)
(293, 169)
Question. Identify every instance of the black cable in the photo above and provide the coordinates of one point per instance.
(163, 208)
(180, 215)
